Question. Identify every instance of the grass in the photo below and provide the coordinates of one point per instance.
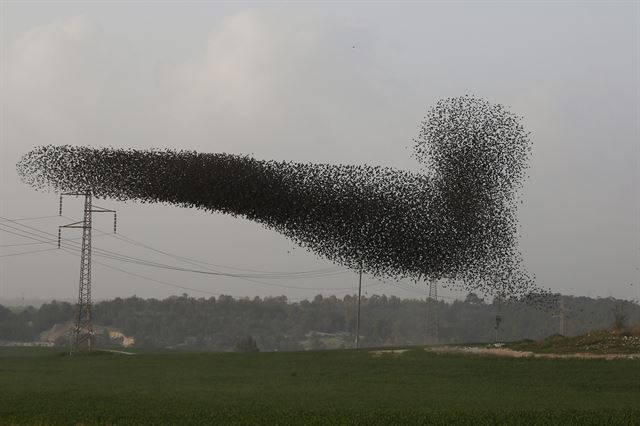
(41, 386)
(626, 341)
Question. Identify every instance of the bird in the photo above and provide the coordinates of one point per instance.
(453, 221)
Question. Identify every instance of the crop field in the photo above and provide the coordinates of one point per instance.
(42, 386)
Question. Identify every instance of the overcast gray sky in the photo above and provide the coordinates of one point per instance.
(337, 83)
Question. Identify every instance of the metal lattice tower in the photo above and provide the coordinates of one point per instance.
(496, 328)
(561, 313)
(83, 329)
(358, 317)
(432, 326)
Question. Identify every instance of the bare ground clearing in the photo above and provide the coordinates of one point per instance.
(506, 352)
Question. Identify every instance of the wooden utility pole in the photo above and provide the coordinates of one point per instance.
(358, 317)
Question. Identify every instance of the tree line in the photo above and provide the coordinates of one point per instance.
(275, 323)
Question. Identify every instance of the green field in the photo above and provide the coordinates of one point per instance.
(41, 386)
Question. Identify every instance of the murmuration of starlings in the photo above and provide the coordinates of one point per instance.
(454, 221)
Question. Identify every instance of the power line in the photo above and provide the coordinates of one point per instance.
(107, 254)
(30, 236)
(132, 241)
(25, 236)
(128, 259)
(129, 240)
(115, 256)
(165, 283)
(321, 273)
(27, 252)
(144, 262)
(37, 236)
(406, 287)
(20, 219)
(19, 244)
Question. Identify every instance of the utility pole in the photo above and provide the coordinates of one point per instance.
(499, 301)
(358, 317)
(498, 321)
(562, 314)
(84, 327)
(432, 326)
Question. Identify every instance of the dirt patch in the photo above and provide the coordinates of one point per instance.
(505, 352)
(392, 352)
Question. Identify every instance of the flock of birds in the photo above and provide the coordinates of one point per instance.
(455, 221)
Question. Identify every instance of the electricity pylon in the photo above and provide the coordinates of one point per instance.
(561, 313)
(498, 301)
(496, 328)
(432, 325)
(358, 317)
(84, 327)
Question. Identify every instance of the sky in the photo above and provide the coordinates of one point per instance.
(326, 82)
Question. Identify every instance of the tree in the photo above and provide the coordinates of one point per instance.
(247, 344)
(619, 317)
(473, 299)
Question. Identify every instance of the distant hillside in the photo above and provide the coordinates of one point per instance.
(324, 322)
(17, 304)
(624, 341)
